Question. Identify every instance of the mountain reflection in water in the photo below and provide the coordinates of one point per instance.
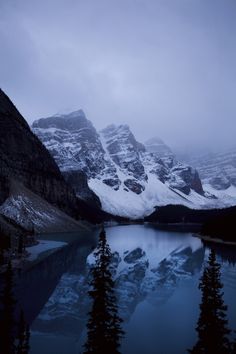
(156, 277)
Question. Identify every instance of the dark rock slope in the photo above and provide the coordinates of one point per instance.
(23, 158)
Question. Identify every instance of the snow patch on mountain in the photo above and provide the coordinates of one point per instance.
(128, 204)
(29, 210)
(226, 196)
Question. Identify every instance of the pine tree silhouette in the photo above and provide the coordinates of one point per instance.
(23, 336)
(5, 244)
(234, 346)
(212, 325)
(104, 331)
(7, 323)
(21, 245)
(14, 335)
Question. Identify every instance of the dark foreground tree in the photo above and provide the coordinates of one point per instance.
(23, 336)
(104, 331)
(14, 335)
(212, 326)
(21, 245)
(5, 244)
(7, 322)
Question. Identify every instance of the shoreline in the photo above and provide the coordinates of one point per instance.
(215, 240)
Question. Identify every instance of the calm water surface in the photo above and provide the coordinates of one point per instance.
(157, 275)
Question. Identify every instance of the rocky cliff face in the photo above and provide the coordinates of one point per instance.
(73, 141)
(158, 148)
(75, 145)
(124, 150)
(217, 169)
(78, 181)
(218, 173)
(124, 153)
(129, 178)
(178, 175)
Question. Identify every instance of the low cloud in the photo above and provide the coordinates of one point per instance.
(166, 68)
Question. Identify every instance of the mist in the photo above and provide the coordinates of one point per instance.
(166, 68)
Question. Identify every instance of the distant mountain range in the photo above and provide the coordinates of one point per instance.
(216, 169)
(127, 177)
(62, 171)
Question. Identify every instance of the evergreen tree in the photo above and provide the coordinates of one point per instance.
(21, 244)
(23, 336)
(27, 339)
(104, 324)
(7, 323)
(5, 244)
(212, 326)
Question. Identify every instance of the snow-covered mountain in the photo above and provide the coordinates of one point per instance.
(129, 178)
(217, 171)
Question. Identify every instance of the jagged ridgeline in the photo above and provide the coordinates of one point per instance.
(89, 174)
(130, 178)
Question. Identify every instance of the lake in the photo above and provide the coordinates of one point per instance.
(157, 275)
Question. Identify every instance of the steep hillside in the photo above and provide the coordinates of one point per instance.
(25, 159)
(29, 210)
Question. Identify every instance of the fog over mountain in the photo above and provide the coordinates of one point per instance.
(164, 67)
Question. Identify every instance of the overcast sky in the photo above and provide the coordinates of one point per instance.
(165, 67)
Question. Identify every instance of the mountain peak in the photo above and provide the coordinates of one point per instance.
(68, 114)
(154, 141)
(7, 108)
(157, 146)
(71, 121)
